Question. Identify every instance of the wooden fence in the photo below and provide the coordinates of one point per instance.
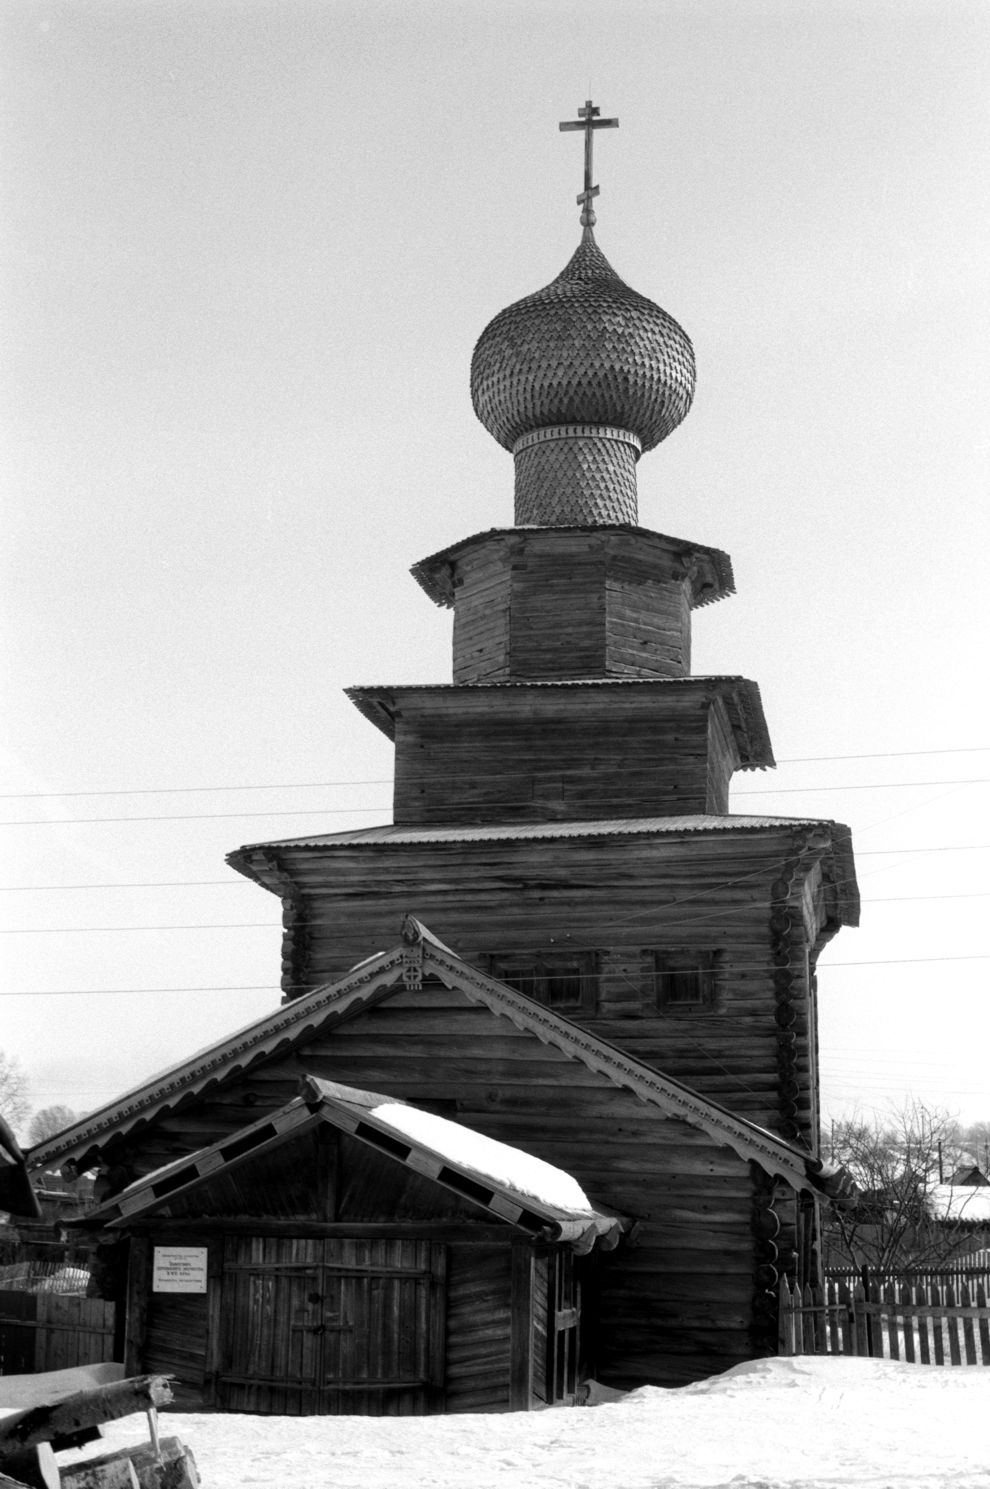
(933, 1324)
(49, 1331)
(951, 1273)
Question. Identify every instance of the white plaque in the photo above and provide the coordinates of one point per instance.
(179, 1269)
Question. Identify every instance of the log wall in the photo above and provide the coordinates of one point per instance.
(624, 900)
(563, 754)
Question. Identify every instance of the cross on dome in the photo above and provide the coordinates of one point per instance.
(588, 121)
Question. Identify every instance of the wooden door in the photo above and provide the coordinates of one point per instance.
(563, 1328)
(329, 1326)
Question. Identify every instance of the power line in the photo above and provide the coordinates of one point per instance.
(760, 869)
(899, 899)
(928, 848)
(89, 930)
(860, 786)
(885, 755)
(693, 920)
(267, 986)
(385, 781)
(241, 882)
(350, 811)
(104, 992)
(253, 925)
(194, 816)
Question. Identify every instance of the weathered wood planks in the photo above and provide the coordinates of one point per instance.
(546, 754)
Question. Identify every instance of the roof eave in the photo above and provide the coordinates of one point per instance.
(379, 704)
(710, 569)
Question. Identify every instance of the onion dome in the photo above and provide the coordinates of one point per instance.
(587, 359)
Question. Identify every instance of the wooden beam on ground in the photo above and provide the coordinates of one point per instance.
(52, 1385)
(104, 1403)
(100, 1474)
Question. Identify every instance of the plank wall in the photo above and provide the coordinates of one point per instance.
(565, 604)
(478, 1327)
(557, 613)
(648, 621)
(481, 615)
(576, 754)
(168, 1333)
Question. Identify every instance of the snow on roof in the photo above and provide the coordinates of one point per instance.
(960, 1202)
(512, 1184)
(504, 1165)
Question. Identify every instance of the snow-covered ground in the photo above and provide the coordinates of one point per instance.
(771, 1424)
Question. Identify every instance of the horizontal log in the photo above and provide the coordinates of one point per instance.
(117, 1472)
(102, 1403)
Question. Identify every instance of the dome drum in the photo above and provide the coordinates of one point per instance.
(576, 474)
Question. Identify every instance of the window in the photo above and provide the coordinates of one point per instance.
(563, 980)
(686, 980)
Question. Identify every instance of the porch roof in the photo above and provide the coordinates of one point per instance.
(510, 1184)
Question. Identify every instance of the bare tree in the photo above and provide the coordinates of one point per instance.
(14, 1103)
(900, 1166)
(48, 1121)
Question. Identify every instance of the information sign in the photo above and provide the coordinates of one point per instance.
(179, 1269)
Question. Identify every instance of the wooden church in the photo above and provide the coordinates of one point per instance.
(540, 1104)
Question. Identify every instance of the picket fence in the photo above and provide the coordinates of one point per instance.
(952, 1272)
(922, 1323)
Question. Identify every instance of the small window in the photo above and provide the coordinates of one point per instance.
(564, 981)
(686, 980)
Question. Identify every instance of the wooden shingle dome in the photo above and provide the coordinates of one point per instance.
(586, 349)
(576, 380)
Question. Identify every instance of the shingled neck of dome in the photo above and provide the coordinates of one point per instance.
(577, 380)
(576, 475)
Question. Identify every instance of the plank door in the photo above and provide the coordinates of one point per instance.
(563, 1328)
(323, 1327)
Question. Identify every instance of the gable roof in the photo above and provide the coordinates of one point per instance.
(421, 955)
(969, 1173)
(510, 1184)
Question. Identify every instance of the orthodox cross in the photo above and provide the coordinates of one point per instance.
(588, 121)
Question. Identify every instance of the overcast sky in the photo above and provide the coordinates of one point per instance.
(247, 250)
